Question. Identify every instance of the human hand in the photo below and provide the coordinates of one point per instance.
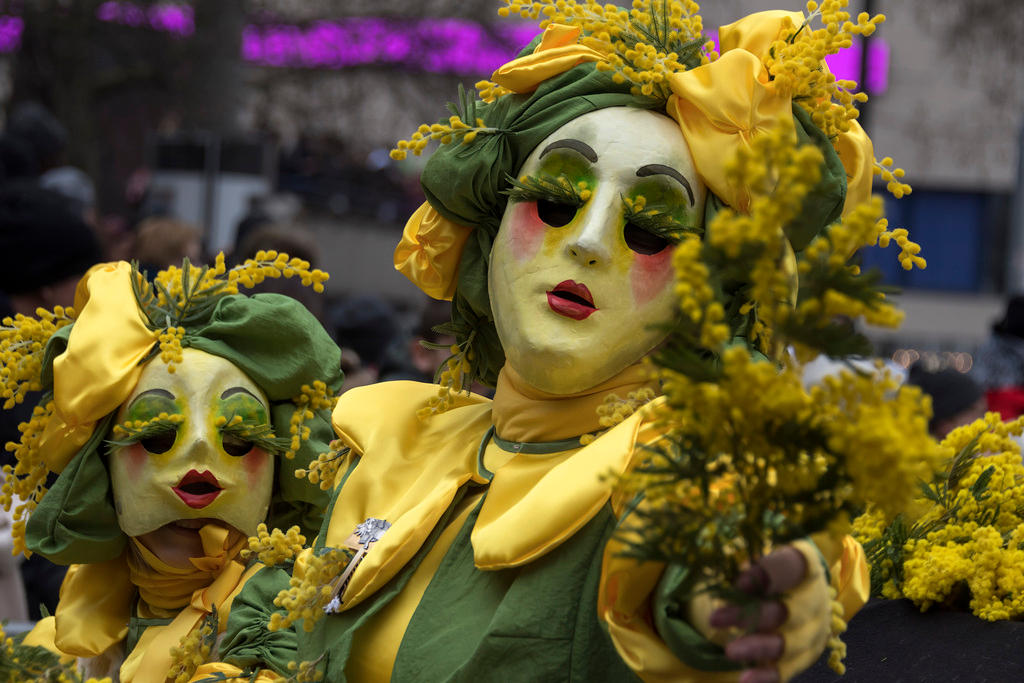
(790, 626)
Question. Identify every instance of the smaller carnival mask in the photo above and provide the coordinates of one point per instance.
(202, 460)
(581, 268)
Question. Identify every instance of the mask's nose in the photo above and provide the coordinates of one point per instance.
(591, 245)
(199, 449)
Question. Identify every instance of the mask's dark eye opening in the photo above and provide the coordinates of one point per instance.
(234, 445)
(159, 443)
(554, 214)
(642, 241)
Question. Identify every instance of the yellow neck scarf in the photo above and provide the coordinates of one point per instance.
(87, 623)
(523, 413)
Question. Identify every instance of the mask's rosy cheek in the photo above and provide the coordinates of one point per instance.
(255, 462)
(650, 275)
(134, 458)
(525, 230)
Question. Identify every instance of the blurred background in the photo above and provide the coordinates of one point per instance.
(243, 124)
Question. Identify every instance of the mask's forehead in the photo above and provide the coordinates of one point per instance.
(200, 377)
(621, 140)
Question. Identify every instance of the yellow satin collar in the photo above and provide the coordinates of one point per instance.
(165, 587)
(96, 601)
(523, 413)
(411, 469)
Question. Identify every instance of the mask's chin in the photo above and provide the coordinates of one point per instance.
(176, 542)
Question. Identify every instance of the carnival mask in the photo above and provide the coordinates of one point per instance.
(191, 451)
(581, 268)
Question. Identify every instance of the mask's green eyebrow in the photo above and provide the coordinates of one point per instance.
(579, 146)
(152, 392)
(661, 169)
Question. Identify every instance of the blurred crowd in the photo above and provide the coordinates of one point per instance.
(51, 232)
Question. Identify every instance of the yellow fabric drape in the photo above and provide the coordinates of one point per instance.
(92, 612)
(523, 413)
(205, 671)
(100, 366)
(756, 32)
(96, 599)
(429, 252)
(857, 154)
(720, 107)
(557, 52)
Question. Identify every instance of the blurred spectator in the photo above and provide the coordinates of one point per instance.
(295, 241)
(161, 242)
(47, 248)
(999, 362)
(956, 398)
(411, 358)
(364, 327)
(16, 159)
(47, 139)
(45, 135)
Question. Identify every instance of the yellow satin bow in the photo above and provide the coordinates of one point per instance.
(429, 252)
(557, 52)
(100, 366)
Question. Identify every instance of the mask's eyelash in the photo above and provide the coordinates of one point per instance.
(656, 221)
(260, 435)
(133, 431)
(557, 189)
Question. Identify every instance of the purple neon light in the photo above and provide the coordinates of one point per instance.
(437, 45)
(176, 19)
(456, 46)
(10, 33)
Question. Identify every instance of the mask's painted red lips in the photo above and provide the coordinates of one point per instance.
(197, 489)
(571, 299)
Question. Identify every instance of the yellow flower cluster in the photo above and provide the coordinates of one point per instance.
(455, 129)
(453, 379)
(305, 672)
(311, 588)
(22, 342)
(274, 547)
(614, 410)
(771, 161)
(751, 458)
(24, 483)
(170, 347)
(611, 30)
(193, 651)
(836, 647)
(796, 64)
(324, 469)
(129, 427)
(882, 430)
(893, 177)
(909, 250)
(20, 663)
(314, 398)
(489, 91)
(272, 264)
(967, 531)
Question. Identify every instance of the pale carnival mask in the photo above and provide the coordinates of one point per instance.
(202, 467)
(580, 273)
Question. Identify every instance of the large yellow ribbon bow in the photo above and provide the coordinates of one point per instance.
(100, 366)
